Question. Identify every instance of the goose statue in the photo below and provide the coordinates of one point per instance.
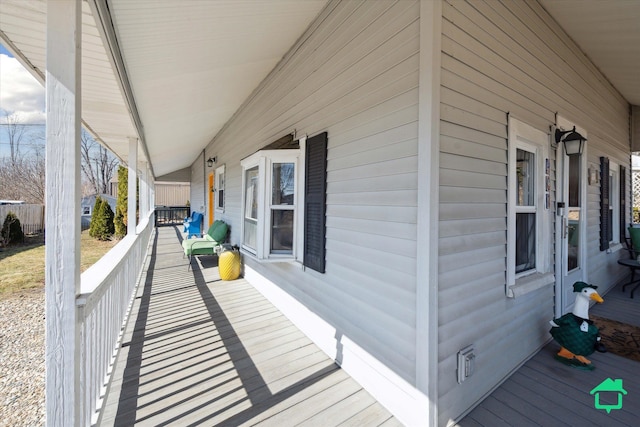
(577, 335)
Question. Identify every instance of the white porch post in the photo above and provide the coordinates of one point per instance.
(62, 249)
(152, 192)
(132, 184)
(144, 191)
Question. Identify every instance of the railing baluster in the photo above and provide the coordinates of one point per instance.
(101, 309)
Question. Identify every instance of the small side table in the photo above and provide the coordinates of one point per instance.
(633, 265)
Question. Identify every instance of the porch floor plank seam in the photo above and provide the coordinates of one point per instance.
(545, 392)
(201, 351)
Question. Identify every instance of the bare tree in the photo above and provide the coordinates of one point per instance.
(16, 132)
(22, 174)
(23, 178)
(98, 164)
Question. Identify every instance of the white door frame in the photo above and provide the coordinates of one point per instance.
(563, 304)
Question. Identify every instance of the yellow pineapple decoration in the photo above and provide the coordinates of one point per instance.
(229, 264)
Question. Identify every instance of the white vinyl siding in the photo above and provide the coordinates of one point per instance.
(353, 74)
(503, 58)
(198, 191)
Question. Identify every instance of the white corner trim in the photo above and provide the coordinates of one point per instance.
(428, 207)
(401, 398)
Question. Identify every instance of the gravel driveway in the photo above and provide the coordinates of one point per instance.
(22, 360)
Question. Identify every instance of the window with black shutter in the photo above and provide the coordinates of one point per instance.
(315, 202)
(273, 227)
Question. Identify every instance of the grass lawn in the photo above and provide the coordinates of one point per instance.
(22, 266)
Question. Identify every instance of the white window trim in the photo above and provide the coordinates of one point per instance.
(523, 136)
(614, 205)
(219, 186)
(264, 159)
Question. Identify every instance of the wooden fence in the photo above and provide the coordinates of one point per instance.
(31, 217)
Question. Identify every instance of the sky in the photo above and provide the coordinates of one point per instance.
(20, 92)
(20, 95)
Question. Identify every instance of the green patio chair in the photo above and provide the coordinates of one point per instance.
(634, 234)
(206, 245)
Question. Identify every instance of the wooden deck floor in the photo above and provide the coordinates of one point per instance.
(201, 351)
(543, 392)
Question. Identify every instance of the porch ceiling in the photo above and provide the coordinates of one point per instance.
(609, 33)
(190, 64)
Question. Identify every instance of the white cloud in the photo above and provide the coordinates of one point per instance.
(20, 92)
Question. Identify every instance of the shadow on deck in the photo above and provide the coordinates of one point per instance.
(201, 351)
(544, 392)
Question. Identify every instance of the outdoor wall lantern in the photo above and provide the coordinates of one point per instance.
(211, 161)
(572, 140)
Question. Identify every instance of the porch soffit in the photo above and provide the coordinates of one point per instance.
(609, 33)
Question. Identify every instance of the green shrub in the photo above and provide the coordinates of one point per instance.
(11, 230)
(92, 223)
(120, 220)
(101, 226)
(122, 202)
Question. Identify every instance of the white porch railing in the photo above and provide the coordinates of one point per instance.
(107, 291)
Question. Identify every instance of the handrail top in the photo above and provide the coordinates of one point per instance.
(96, 275)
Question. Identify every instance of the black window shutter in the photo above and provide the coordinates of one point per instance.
(604, 204)
(315, 202)
(623, 203)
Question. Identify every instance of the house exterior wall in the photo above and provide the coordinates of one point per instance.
(198, 183)
(501, 58)
(355, 75)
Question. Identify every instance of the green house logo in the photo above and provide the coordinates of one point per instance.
(609, 386)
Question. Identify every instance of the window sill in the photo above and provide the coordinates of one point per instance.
(273, 259)
(614, 247)
(530, 283)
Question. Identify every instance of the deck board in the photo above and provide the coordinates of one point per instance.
(201, 351)
(545, 392)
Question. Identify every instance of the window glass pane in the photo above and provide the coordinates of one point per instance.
(250, 233)
(251, 208)
(525, 242)
(573, 242)
(282, 231)
(525, 170)
(251, 193)
(220, 195)
(574, 181)
(283, 184)
(612, 181)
